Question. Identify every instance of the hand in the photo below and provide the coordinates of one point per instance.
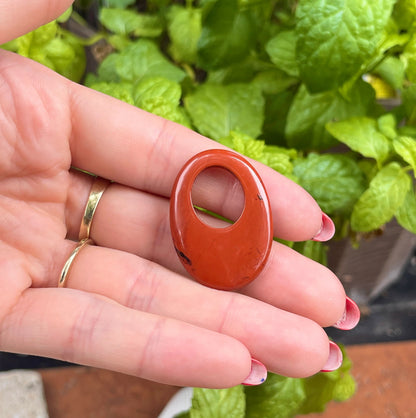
(128, 305)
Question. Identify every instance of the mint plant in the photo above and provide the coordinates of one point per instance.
(282, 82)
(54, 47)
(278, 397)
(299, 85)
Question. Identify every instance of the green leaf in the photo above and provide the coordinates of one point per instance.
(382, 199)
(241, 72)
(406, 214)
(143, 58)
(151, 87)
(407, 130)
(119, 42)
(281, 50)
(334, 180)
(404, 13)
(274, 81)
(57, 49)
(185, 414)
(279, 161)
(107, 71)
(227, 36)
(369, 168)
(121, 4)
(65, 15)
(66, 55)
(275, 118)
(335, 38)
(158, 4)
(274, 149)
(159, 106)
(278, 397)
(319, 391)
(218, 403)
(406, 148)
(409, 104)
(244, 144)
(314, 250)
(392, 38)
(12, 45)
(184, 29)
(261, 11)
(344, 388)
(125, 22)
(324, 387)
(161, 97)
(121, 91)
(391, 69)
(281, 397)
(217, 110)
(386, 124)
(309, 113)
(361, 135)
(408, 57)
(275, 157)
(31, 44)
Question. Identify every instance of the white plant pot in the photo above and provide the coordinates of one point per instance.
(180, 402)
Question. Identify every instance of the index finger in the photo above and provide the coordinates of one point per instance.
(130, 146)
(18, 17)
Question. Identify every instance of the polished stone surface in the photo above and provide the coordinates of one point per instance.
(224, 258)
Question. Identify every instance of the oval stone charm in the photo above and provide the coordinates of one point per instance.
(223, 258)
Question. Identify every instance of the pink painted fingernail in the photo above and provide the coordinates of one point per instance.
(327, 230)
(334, 359)
(351, 316)
(257, 375)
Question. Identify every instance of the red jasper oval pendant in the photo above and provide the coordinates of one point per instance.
(223, 258)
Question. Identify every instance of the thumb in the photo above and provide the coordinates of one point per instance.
(18, 17)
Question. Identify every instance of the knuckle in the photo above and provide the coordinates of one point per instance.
(80, 336)
(143, 288)
(146, 361)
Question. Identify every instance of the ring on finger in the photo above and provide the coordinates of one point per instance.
(97, 189)
(67, 267)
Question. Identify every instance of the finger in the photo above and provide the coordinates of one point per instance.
(298, 284)
(286, 343)
(77, 327)
(18, 17)
(123, 143)
(120, 142)
(137, 222)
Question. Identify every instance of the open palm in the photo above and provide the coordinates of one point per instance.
(129, 305)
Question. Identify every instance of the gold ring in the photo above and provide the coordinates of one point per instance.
(71, 258)
(97, 189)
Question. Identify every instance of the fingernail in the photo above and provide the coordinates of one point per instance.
(351, 316)
(257, 375)
(335, 358)
(327, 230)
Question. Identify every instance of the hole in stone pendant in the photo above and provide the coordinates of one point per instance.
(218, 197)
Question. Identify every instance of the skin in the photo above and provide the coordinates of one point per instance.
(128, 305)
